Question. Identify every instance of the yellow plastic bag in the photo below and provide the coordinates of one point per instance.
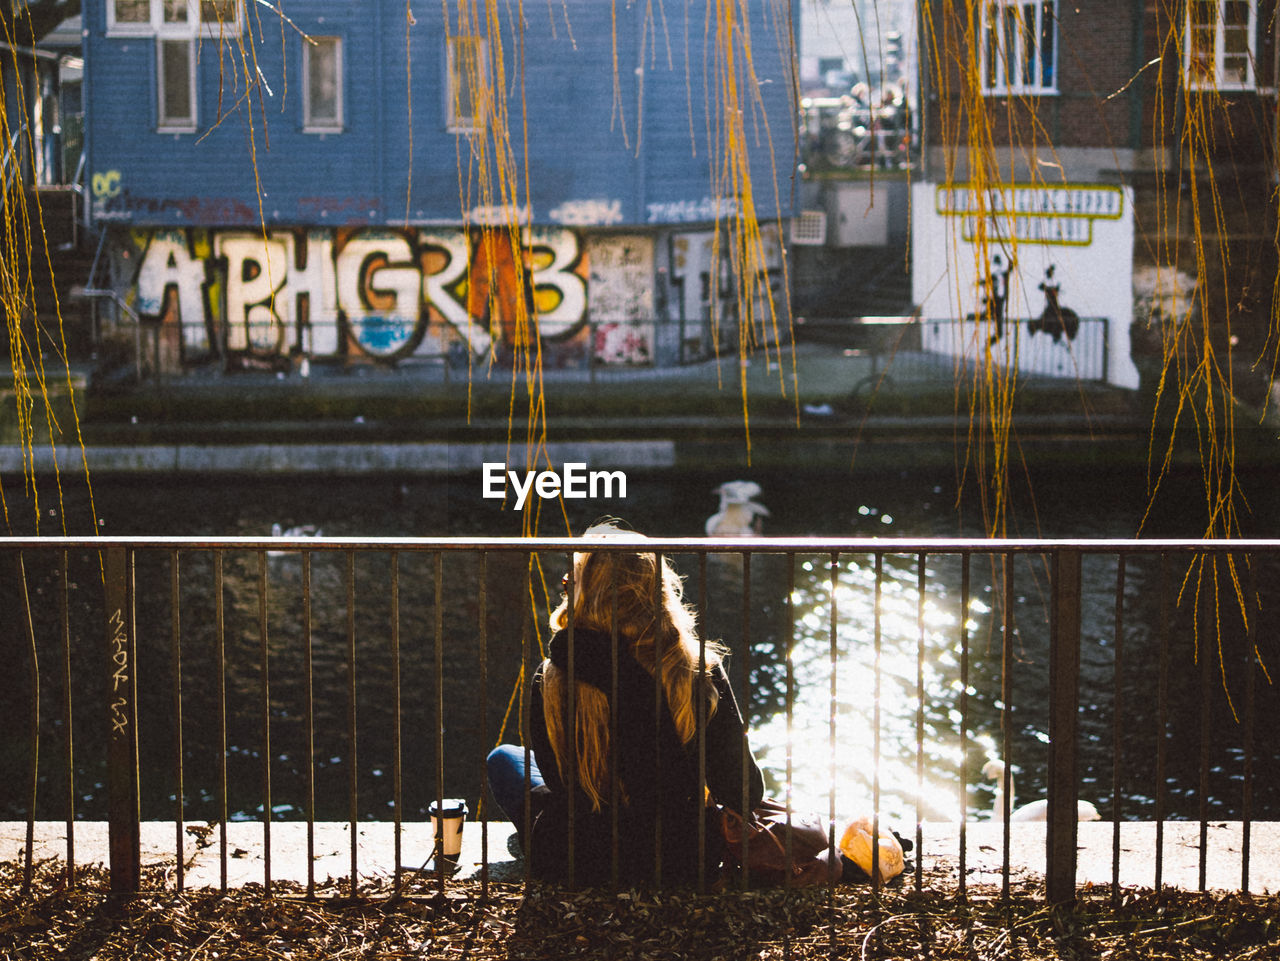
(855, 844)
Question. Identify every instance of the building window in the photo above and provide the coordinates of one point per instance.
(468, 68)
(221, 17)
(176, 85)
(174, 17)
(1019, 47)
(1219, 48)
(129, 16)
(322, 84)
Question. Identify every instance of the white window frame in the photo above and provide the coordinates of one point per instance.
(1006, 77)
(326, 125)
(155, 24)
(129, 28)
(166, 124)
(455, 122)
(1218, 81)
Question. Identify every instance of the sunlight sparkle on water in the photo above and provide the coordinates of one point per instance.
(852, 750)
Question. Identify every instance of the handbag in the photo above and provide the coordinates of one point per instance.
(761, 838)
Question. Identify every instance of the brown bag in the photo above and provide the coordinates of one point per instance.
(765, 837)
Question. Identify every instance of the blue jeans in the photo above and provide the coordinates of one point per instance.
(505, 766)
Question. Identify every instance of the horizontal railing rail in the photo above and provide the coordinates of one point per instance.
(258, 679)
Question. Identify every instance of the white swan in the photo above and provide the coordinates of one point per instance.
(1034, 811)
(299, 530)
(739, 515)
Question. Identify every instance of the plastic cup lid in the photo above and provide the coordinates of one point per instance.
(452, 807)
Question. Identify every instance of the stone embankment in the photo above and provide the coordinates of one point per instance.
(826, 407)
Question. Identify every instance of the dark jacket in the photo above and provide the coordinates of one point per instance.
(657, 823)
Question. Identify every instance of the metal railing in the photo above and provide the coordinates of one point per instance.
(591, 349)
(211, 678)
(911, 350)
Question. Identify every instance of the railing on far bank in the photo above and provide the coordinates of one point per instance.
(220, 678)
(899, 350)
(914, 350)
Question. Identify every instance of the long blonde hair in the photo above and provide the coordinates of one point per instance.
(620, 588)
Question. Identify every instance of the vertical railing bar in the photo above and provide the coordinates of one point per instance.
(834, 583)
(877, 638)
(266, 722)
(700, 715)
(132, 577)
(1251, 662)
(615, 838)
(569, 725)
(309, 696)
(658, 560)
(397, 767)
(482, 614)
(1162, 716)
(745, 806)
(1063, 822)
(920, 589)
(33, 680)
(1208, 618)
(438, 603)
(791, 710)
(64, 615)
(964, 721)
(526, 716)
(353, 782)
(221, 641)
(1006, 720)
(1117, 731)
(123, 790)
(175, 643)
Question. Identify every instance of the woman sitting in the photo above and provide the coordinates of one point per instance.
(644, 713)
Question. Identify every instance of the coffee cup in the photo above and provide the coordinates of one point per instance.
(447, 818)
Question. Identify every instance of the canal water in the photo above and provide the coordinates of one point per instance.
(788, 709)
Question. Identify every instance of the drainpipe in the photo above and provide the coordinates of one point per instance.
(641, 166)
(1135, 92)
(922, 96)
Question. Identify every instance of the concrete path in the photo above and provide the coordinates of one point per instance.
(375, 851)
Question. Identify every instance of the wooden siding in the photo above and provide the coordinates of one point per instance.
(394, 163)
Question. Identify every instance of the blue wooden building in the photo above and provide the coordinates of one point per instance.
(379, 180)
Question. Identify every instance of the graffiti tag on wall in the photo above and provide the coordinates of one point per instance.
(384, 294)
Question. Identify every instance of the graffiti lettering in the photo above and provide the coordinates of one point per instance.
(691, 211)
(498, 216)
(587, 213)
(379, 288)
(256, 272)
(383, 294)
(169, 264)
(122, 205)
(106, 185)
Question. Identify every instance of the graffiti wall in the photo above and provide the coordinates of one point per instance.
(1037, 276)
(702, 283)
(390, 295)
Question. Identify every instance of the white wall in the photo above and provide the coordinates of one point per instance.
(1083, 231)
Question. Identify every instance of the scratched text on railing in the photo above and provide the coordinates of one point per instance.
(120, 674)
